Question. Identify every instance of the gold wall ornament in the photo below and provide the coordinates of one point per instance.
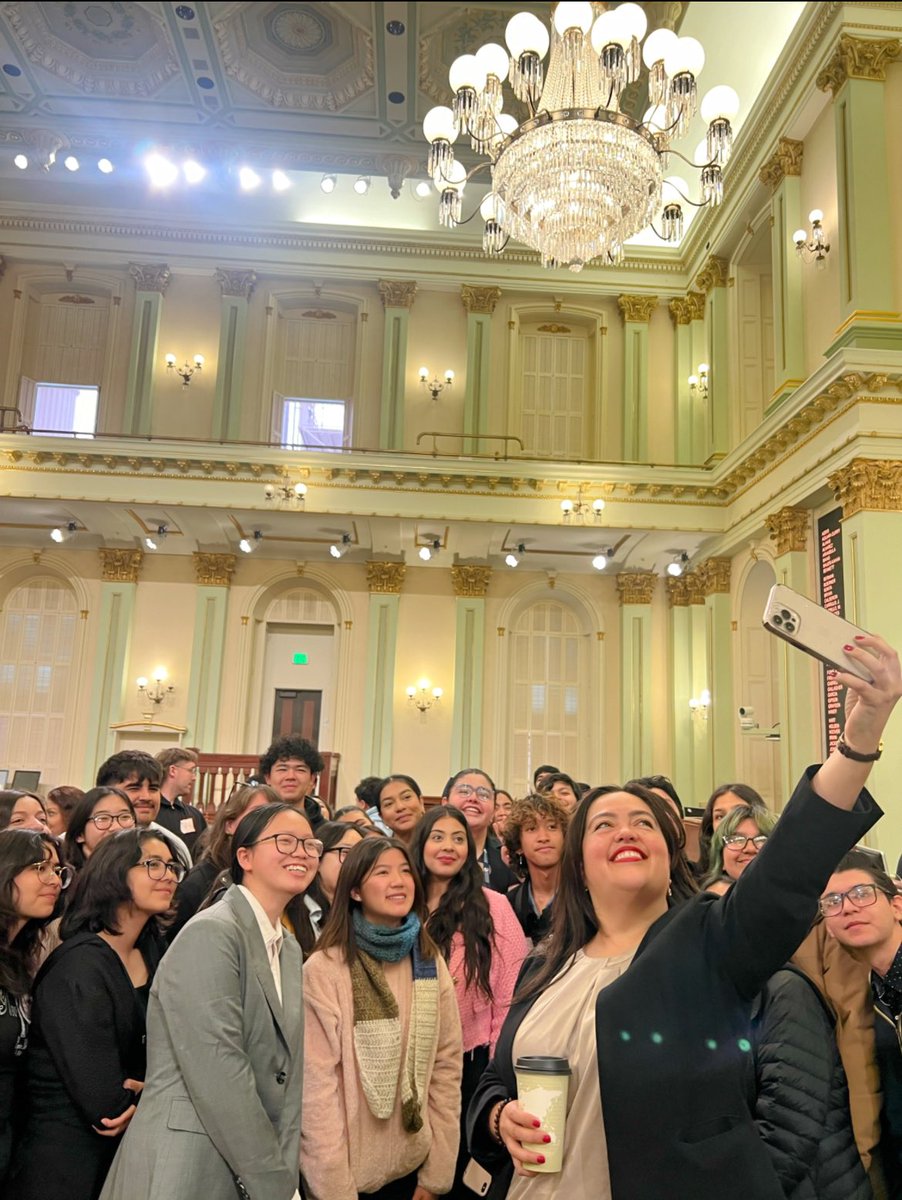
(785, 161)
(77, 299)
(501, 630)
(868, 485)
(385, 577)
(637, 308)
(236, 283)
(150, 277)
(554, 328)
(120, 566)
(479, 299)
(213, 570)
(686, 309)
(715, 575)
(712, 275)
(789, 529)
(695, 586)
(636, 587)
(397, 293)
(858, 58)
(470, 581)
(677, 591)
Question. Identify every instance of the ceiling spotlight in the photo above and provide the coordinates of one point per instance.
(193, 171)
(337, 549)
(162, 172)
(71, 163)
(678, 564)
(249, 545)
(327, 183)
(362, 184)
(104, 165)
(63, 533)
(21, 161)
(280, 181)
(249, 179)
(152, 541)
(426, 552)
(512, 559)
(600, 561)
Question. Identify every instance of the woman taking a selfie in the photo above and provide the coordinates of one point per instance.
(382, 1044)
(651, 1005)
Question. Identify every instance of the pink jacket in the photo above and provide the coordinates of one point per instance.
(480, 1018)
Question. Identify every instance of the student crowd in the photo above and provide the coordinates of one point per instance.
(296, 1003)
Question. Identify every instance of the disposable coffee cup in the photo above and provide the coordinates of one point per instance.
(542, 1086)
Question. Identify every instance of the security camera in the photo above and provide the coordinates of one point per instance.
(747, 717)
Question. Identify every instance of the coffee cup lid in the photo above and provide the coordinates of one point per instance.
(542, 1064)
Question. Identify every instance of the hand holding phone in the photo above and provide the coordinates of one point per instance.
(811, 628)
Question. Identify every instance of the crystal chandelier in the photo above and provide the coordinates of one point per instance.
(576, 177)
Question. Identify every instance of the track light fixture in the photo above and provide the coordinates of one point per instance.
(249, 545)
(62, 533)
(513, 560)
(337, 549)
(362, 184)
(327, 183)
(600, 561)
(678, 564)
(152, 541)
(433, 547)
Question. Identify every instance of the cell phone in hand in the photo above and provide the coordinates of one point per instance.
(811, 628)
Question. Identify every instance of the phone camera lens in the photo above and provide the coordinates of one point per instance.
(777, 619)
(785, 614)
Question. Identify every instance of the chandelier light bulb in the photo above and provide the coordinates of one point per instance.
(685, 57)
(526, 34)
(721, 102)
(573, 14)
(494, 59)
(335, 551)
(57, 535)
(327, 184)
(141, 682)
(423, 189)
(656, 46)
(633, 19)
(488, 209)
(300, 489)
(703, 369)
(439, 123)
(467, 72)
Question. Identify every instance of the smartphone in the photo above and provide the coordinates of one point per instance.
(476, 1179)
(804, 624)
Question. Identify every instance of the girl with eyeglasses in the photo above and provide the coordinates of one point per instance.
(99, 814)
(86, 1060)
(338, 838)
(220, 1114)
(735, 844)
(31, 880)
(23, 810)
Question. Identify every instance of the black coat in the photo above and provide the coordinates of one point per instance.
(674, 1032)
(501, 877)
(191, 893)
(87, 1036)
(802, 1111)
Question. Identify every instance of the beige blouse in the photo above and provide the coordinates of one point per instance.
(562, 1023)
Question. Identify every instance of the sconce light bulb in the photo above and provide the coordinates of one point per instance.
(170, 360)
(142, 682)
(815, 216)
(598, 506)
(566, 507)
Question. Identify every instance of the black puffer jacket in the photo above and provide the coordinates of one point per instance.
(802, 1110)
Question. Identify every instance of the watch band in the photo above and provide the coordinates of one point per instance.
(846, 750)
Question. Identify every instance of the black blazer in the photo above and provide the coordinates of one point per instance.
(674, 1032)
(87, 1036)
(501, 877)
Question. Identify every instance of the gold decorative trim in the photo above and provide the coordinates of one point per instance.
(213, 570)
(77, 299)
(858, 58)
(150, 277)
(553, 328)
(686, 309)
(695, 587)
(120, 566)
(236, 283)
(396, 293)
(636, 587)
(868, 485)
(677, 591)
(712, 275)
(470, 581)
(501, 631)
(477, 299)
(349, 625)
(870, 316)
(789, 528)
(637, 308)
(715, 576)
(785, 161)
(385, 577)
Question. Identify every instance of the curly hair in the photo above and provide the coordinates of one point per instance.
(463, 907)
(524, 813)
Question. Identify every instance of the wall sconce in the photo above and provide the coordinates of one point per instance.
(249, 545)
(583, 509)
(186, 371)
(423, 696)
(818, 245)
(156, 692)
(286, 493)
(698, 383)
(435, 387)
(699, 706)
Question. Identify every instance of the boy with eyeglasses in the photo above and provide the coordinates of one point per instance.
(862, 910)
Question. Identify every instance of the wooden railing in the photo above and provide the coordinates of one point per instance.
(219, 774)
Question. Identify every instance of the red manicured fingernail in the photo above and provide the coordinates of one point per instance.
(540, 1158)
(859, 637)
(847, 647)
(546, 1137)
(536, 1124)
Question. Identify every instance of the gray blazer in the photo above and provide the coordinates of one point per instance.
(220, 1115)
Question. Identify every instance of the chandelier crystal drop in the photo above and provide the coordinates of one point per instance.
(574, 177)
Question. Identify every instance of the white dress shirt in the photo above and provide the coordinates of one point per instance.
(272, 936)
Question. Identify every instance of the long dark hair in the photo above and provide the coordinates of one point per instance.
(81, 814)
(746, 794)
(573, 921)
(463, 906)
(8, 801)
(330, 834)
(101, 888)
(19, 848)
(339, 928)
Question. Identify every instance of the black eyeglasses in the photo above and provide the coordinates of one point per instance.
(46, 871)
(159, 868)
(104, 821)
(287, 843)
(341, 851)
(863, 895)
(738, 841)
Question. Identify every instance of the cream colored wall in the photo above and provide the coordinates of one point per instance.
(894, 164)
(820, 285)
(437, 339)
(189, 325)
(661, 387)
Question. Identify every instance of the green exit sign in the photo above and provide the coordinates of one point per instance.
(300, 660)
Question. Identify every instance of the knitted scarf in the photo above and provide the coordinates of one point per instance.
(377, 1020)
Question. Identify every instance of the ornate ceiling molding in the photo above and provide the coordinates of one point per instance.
(386, 578)
(868, 485)
(785, 161)
(858, 58)
(789, 528)
(120, 566)
(636, 587)
(470, 581)
(213, 570)
(637, 308)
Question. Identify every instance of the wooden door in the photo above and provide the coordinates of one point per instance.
(297, 713)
